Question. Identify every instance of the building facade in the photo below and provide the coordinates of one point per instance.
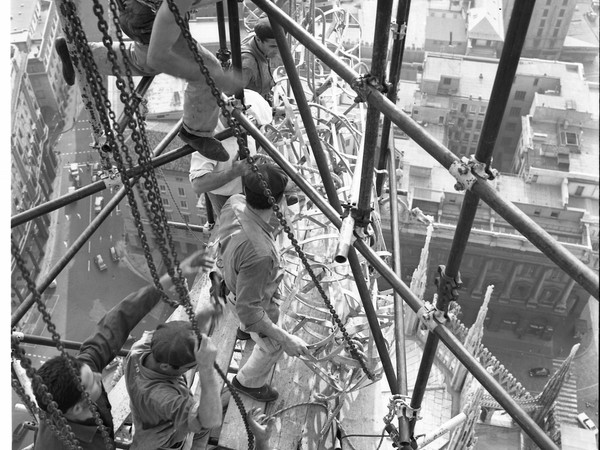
(33, 163)
(548, 27)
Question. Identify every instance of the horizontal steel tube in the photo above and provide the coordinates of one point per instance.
(538, 237)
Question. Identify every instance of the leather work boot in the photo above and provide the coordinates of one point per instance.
(207, 146)
(62, 50)
(264, 393)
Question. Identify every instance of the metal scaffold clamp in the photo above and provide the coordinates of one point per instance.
(428, 314)
(447, 288)
(461, 170)
(361, 85)
(482, 170)
(398, 31)
(398, 406)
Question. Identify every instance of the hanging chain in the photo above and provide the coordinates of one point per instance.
(64, 433)
(267, 192)
(56, 338)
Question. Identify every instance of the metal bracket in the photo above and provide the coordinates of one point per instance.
(482, 170)
(461, 170)
(426, 315)
(447, 289)
(398, 31)
(360, 83)
(111, 178)
(398, 406)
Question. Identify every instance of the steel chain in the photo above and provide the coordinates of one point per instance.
(46, 317)
(64, 433)
(244, 150)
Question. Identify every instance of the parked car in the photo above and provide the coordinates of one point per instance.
(100, 263)
(114, 255)
(539, 372)
(586, 422)
(74, 169)
(98, 204)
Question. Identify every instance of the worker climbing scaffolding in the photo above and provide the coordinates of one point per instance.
(313, 273)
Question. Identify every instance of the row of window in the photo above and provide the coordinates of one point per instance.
(180, 190)
(471, 108)
(166, 202)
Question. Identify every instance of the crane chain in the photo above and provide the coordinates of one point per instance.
(350, 345)
(47, 318)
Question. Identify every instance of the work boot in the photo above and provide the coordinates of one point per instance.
(68, 70)
(242, 335)
(207, 146)
(265, 393)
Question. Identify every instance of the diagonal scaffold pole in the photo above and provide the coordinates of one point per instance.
(362, 212)
(445, 335)
(399, 38)
(449, 280)
(556, 252)
(104, 213)
(332, 196)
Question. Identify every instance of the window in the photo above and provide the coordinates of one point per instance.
(463, 149)
(165, 201)
(184, 204)
(466, 136)
(539, 32)
(186, 218)
(179, 179)
(181, 191)
(565, 2)
(169, 216)
(482, 109)
(579, 190)
(479, 124)
(558, 23)
(548, 2)
(537, 212)
(454, 106)
(446, 81)
(569, 138)
(441, 120)
(470, 123)
(542, 23)
(415, 112)
(536, 81)
(545, 13)
(463, 107)
(515, 111)
(520, 95)
(476, 137)
(555, 32)
(561, 13)
(554, 214)
(163, 188)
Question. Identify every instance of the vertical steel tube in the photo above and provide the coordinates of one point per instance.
(400, 344)
(324, 170)
(378, 61)
(234, 37)
(395, 68)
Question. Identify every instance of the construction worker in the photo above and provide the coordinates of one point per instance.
(159, 47)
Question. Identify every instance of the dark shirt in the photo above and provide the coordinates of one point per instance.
(256, 70)
(97, 351)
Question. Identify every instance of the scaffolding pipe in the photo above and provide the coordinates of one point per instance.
(519, 220)
(400, 345)
(48, 342)
(507, 68)
(187, 226)
(331, 192)
(97, 186)
(362, 213)
(234, 37)
(453, 344)
(85, 235)
(399, 41)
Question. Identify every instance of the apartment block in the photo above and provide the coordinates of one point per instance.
(548, 27)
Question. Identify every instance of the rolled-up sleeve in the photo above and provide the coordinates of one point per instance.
(200, 166)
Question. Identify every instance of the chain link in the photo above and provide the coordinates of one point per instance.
(56, 338)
